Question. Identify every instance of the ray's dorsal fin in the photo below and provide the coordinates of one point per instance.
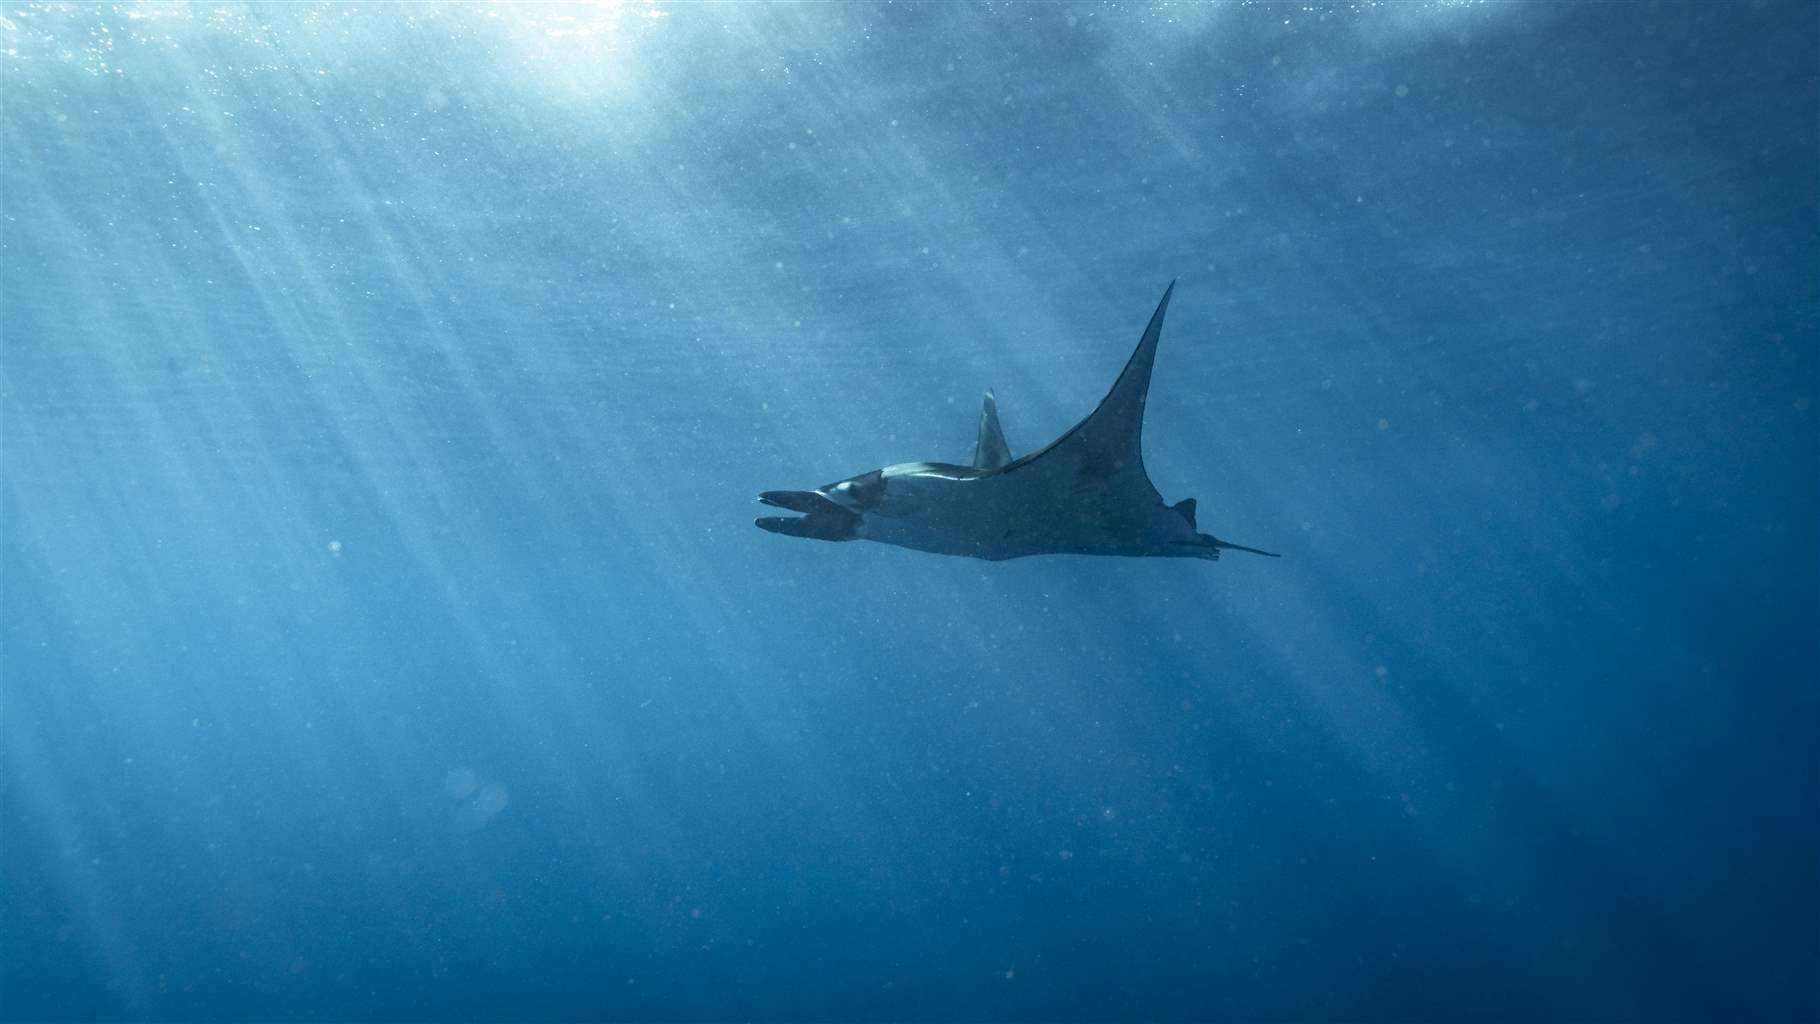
(1186, 508)
(1109, 443)
(990, 451)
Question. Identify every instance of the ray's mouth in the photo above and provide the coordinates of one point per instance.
(821, 518)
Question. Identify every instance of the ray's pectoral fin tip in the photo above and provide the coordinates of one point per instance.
(1086, 492)
(990, 450)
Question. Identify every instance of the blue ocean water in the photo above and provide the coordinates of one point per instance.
(384, 635)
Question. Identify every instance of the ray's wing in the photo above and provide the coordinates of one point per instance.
(1105, 451)
(990, 451)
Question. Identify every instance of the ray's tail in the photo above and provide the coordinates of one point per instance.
(1218, 543)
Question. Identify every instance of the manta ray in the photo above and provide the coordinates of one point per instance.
(1084, 493)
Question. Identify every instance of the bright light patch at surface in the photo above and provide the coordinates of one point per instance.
(565, 52)
(576, 52)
